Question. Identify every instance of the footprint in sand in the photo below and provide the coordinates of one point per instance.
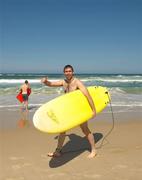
(26, 164)
(13, 158)
(138, 147)
(44, 157)
(17, 178)
(19, 166)
(120, 166)
(118, 150)
(16, 167)
(52, 176)
(93, 176)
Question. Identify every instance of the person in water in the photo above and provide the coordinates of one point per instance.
(71, 83)
(24, 89)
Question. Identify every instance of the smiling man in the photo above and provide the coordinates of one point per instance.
(71, 83)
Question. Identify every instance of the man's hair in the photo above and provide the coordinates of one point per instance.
(68, 66)
(26, 82)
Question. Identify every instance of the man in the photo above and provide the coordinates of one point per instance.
(70, 84)
(25, 93)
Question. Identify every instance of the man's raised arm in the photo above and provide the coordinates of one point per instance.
(51, 83)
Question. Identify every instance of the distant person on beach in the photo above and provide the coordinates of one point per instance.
(25, 93)
(71, 83)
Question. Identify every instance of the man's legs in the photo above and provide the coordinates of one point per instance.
(61, 140)
(26, 105)
(90, 137)
(24, 110)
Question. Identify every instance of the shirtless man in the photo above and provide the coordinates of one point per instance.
(70, 84)
(24, 89)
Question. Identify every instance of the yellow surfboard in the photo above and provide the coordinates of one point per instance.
(69, 110)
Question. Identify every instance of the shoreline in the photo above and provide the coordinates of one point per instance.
(10, 117)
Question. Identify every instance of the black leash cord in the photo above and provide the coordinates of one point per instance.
(112, 123)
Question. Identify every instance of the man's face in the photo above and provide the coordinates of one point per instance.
(68, 73)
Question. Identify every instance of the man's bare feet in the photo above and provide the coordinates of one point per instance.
(57, 153)
(92, 154)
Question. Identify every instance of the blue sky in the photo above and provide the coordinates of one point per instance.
(95, 36)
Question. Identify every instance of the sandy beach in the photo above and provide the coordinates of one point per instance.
(24, 150)
(55, 47)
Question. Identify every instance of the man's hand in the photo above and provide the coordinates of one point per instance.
(44, 80)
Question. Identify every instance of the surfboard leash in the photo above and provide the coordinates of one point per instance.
(113, 122)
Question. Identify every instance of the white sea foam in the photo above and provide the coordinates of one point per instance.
(13, 106)
(19, 81)
(127, 105)
(125, 90)
(117, 90)
(117, 79)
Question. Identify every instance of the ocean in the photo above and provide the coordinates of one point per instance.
(125, 90)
